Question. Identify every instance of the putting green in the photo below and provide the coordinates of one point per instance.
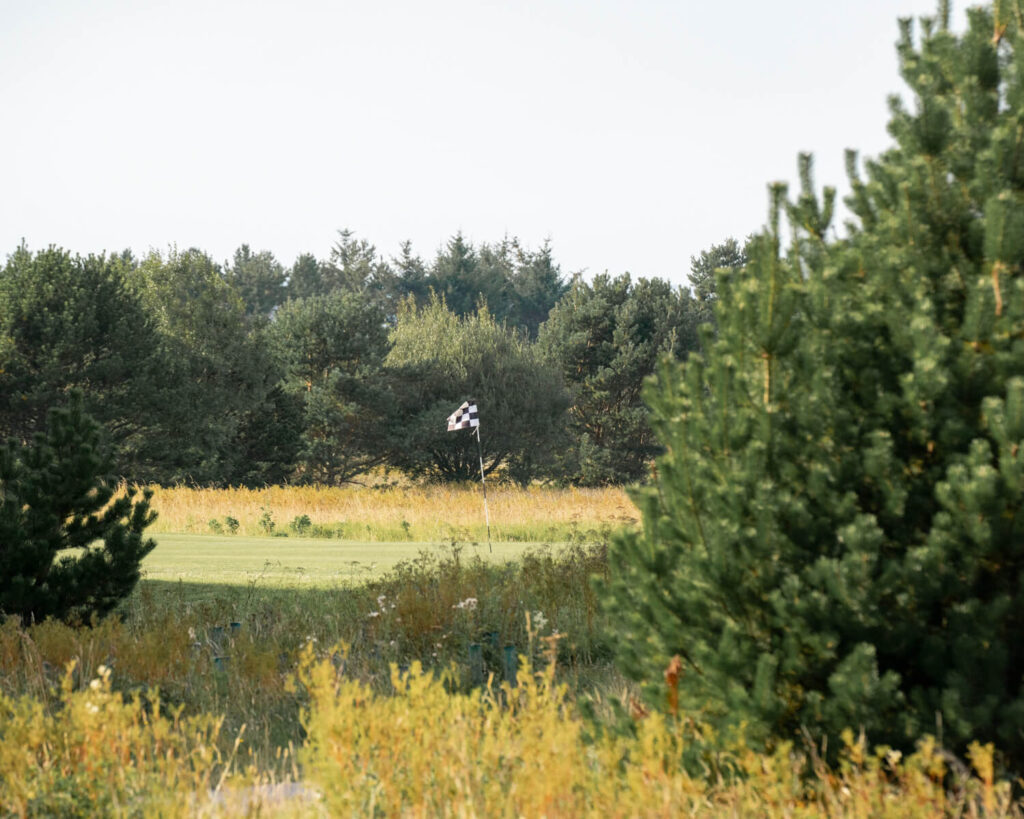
(291, 561)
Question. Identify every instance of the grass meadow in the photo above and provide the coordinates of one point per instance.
(415, 514)
(297, 562)
(415, 675)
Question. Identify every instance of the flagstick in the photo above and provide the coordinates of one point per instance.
(487, 515)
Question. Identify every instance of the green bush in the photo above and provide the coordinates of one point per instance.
(301, 524)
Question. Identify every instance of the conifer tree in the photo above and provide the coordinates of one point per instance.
(606, 336)
(69, 548)
(835, 539)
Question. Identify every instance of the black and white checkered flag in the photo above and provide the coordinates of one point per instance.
(464, 417)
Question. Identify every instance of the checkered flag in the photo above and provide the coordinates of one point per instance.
(464, 417)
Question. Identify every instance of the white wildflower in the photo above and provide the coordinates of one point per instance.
(373, 614)
(539, 620)
(469, 604)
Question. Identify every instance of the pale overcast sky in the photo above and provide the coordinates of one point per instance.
(631, 134)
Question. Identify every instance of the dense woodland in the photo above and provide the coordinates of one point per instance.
(253, 373)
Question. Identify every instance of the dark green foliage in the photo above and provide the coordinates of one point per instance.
(68, 548)
(728, 255)
(356, 267)
(437, 361)
(463, 278)
(835, 538)
(267, 443)
(68, 322)
(306, 278)
(605, 337)
(259, 280)
(331, 349)
(519, 286)
(537, 285)
(214, 373)
(413, 274)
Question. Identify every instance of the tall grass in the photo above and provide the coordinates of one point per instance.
(369, 695)
(177, 638)
(422, 750)
(420, 513)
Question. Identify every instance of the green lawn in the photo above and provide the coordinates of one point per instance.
(290, 561)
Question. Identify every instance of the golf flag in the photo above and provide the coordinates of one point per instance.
(468, 417)
(464, 417)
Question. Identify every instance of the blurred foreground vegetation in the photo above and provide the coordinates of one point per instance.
(201, 699)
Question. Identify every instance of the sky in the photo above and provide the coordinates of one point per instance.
(631, 135)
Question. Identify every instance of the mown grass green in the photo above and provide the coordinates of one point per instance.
(294, 561)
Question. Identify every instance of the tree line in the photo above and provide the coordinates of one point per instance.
(253, 373)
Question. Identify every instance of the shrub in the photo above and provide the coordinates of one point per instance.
(301, 524)
(68, 547)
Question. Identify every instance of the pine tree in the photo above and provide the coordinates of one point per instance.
(69, 548)
(835, 537)
(606, 336)
(259, 280)
(728, 254)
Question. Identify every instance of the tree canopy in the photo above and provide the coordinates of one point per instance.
(438, 360)
(605, 337)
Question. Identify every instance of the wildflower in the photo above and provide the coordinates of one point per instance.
(95, 685)
(469, 603)
(92, 707)
(539, 620)
(380, 602)
(373, 614)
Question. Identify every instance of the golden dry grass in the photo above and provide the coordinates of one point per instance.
(422, 750)
(425, 513)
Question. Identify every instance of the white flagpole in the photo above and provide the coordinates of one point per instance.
(487, 515)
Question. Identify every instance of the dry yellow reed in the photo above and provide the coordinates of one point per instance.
(431, 512)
